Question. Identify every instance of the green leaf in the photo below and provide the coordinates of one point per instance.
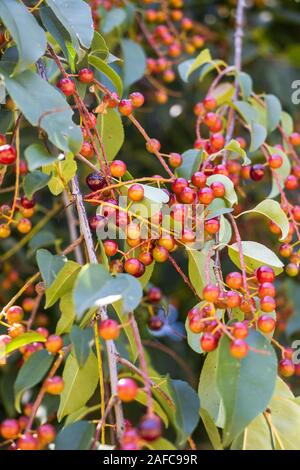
(246, 386)
(134, 62)
(200, 60)
(76, 17)
(63, 283)
(208, 392)
(62, 172)
(23, 340)
(197, 260)
(96, 287)
(99, 47)
(80, 384)
(49, 265)
(43, 105)
(110, 73)
(67, 317)
(111, 130)
(272, 210)
(145, 278)
(258, 136)
(193, 339)
(287, 122)
(31, 373)
(225, 232)
(142, 398)
(30, 38)
(37, 155)
(55, 28)
(41, 239)
(79, 414)
(123, 318)
(255, 255)
(211, 429)
(191, 160)
(76, 436)
(246, 84)
(234, 146)
(248, 112)
(281, 172)
(161, 444)
(187, 409)
(34, 181)
(113, 19)
(223, 93)
(81, 341)
(230, 194)
(274, 111)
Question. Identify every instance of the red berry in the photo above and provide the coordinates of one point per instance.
(196, 323)
(179, 185)
(257, 172)
(292, 269)
(46, 433)
(86, 75)
(97, 222)
(167, 241)
(154, 294)
(212, 226)
(199, 179)
(146, 257)
(127, 389)
(266, 289)
(210, 119)
(233, 299)
(54, 344)
(109, 329)
(111, 100)
(153, 146)
(95, 181)
(14, 314)
(175, 159)
(118, 168)
(275, 161)
(150, 428)
(291, 182)
(91, 121)
(87, 150)
(267, 304)
(24, 225)
(110, 247)
(239, 348)
(234, 280)
(240, 330)
(155, 323)
(134, 267)
(286, 368)
(205, 196)
(125, 107)
(211, 292)
(209, 103)
(266, 323)
(7, 154)
(265, 274)
(9, 429)
(217, 141)
(218, 189)
(137, 99)
(208, 342)
(187, 196)
(16, 329)
(136, 192)
(160, 254)
(27, 442)
(54, 385)
(295, 139)
(67, 86)
(27, 203)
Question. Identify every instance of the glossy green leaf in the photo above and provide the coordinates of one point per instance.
(246, 386)
(99, 47)
(123, 318)
(30, 38)
(200, 60)
(55, 28)
(31, 373)
(281, 172)
(255, 255)
(248, 112)
(142, 398)
(134, 65)
(37, 155)
(272, 210)
(34, 181)
(44, 106)
(191, 160)
(111, 130)
(81, 341)
(76, 436)
(223, 93)
(42, 239)
(80, 384)
(49, 265)
(23, 340)
(234, 147)
(197, 260)
(67, 317)
(258, 136)
(287, 122)
(274, 111)
(113, 19)
(211, 429)
(63, 283)
(246, 84)
(62, 172)
(109, 72)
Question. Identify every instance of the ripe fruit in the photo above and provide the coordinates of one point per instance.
(179, 185)
(127, 389)
(266, 323)
(295, 139)
(7, 154)
(265, 274)
(4, 231)
(154, 294)
(153, 146)
(286, 368)
(87, 150)
(27, 203)
(266, 289)
(110, 247)
(146, 257)
(133, 266)
(24, 225)
(175, 159)
(267, 304)
(86, 75)
(196, 323)
(212, 226)
(240, 330)
(14, 314)
(285, 250)
(218, 189)
(95, 181)
(46, 433)
(136, 192)
(209, 103)
(205, 196)
(27, 442)
(150, 428)
(9, 429)
(217, 141)
(292, 269)
(91, 121)
(232, 299)
(16, 329)
(97, 222)
(187, 196)
(54, 385)
(54, 343)
(275, 161)
(291, 182)
(118, 168)
(211, 292)
(208, 342)
(67, 86)
(109, 329)
(167, 241)
(125, 107)
(234, 280)
(257, 172)
(137, 99)
(239, 348)
(160, 254)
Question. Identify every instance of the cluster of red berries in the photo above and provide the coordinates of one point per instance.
(148, 430)
(14, 431)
